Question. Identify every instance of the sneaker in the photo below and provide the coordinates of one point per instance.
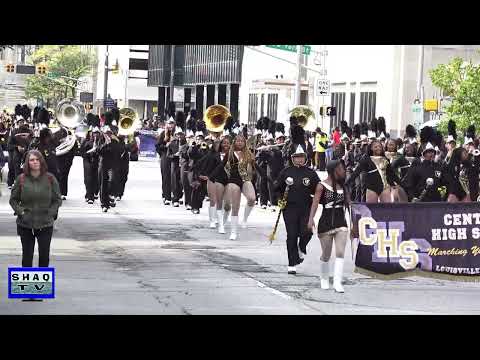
(180, 202)
(301, 254)
(86, 200)
(196, 211)
(273, 209)
(292, 270)
(167, 202)
(9, 187)
(95, 197)
(118, 198)
(264, 207)
(64, 197)
(176, 204)
(90, 202)
(188, 207)
(104, 209)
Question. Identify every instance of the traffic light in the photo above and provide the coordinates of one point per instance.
(10, 68)
(331, 111)
(115, 68)
(41, 69)
(323, 110)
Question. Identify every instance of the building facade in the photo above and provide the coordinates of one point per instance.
(128, 87)
(203, 75)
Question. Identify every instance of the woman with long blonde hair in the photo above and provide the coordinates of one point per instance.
(239, 167)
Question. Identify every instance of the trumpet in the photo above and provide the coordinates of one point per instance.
(269, 147)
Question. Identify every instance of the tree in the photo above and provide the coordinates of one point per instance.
(62, 60)
(460, 80)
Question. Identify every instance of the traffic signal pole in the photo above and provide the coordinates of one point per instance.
(105, 83)
(299, 75)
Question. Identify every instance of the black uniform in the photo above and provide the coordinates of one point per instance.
(173, 154)
(123, 168)
(274, 166)
(417, 176)
(90, 169)
(297, 211)
(199, 187)
(184, 170)
(262, 182)
(165, 165)
(64, 165)
(48, 152)
(109, 159)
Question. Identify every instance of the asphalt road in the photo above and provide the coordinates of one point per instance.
(146, 258)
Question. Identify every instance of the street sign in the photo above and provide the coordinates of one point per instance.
(26, 69)
(417, 110)
(292, 48)
(109, 103)
(86, 97)
(53, 75)
(323, 87)
(431, 105)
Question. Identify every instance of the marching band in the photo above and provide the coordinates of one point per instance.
(214, 158)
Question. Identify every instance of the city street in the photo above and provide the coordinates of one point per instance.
(146, 258)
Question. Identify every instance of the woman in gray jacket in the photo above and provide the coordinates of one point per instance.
(35, 198)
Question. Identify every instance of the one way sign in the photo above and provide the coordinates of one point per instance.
(323, 87)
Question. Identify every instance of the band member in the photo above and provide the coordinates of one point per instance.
(165, 162)
(185, 169)
(240, 169)
(275, 163)
(461, 177)
(219, 177)
(65, 162)
(20, 141)
(451, 142)
(173, 153)
(403, 163)
(332, 225)
(424, 180)
(303, 182)
(46, 147)
(321, 144)
(89, 152)
(196, 152)
(262, 181)
(380, 180)
(109, 152)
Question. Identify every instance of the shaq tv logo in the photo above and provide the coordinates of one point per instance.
(31, 283)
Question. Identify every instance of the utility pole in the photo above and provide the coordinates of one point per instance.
(420, 94)
(172, 73)
(299, 75)
(105, 83)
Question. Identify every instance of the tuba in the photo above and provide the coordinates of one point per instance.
(128, 122)
(303, 114)
(216, 117)
(70, 114)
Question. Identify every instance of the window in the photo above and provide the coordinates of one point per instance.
(368, 102)
(303, 97)
(252, 109)
(272, 106)
(352, 109)
(338, 101)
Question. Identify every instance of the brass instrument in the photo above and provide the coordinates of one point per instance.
(128, 122)
(464, 182)
(282, 203)
(381, 164)
(268, 147)
(216, 117)
(391, 155)
(303, 114)
(70, 114)
(429, 183)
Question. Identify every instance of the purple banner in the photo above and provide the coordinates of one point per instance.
(148, 139)
(427, 239)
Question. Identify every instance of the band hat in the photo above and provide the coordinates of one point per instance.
(382, 136)
(199, 133)
(171, 120)
(363, 137)
(178, 130)
(114, 123)
(345, 137)
(400, 151)
(278, 135)
(299, 151)
(468, 141)
(372, 135)
(106, 128)
(270, 137)
(95, 129)
(190, 134)
(257, 131)
(90, 128)
(428, 147)
(236, 131)
(450, 138)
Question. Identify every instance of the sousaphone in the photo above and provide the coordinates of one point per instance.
(216, 117)
(70, 114)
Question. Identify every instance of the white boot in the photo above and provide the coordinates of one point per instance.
(337, 275)
(226, 214)
(324, 275)
(234, 222)
(246, 214)
(211, 214)
(221, 228)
